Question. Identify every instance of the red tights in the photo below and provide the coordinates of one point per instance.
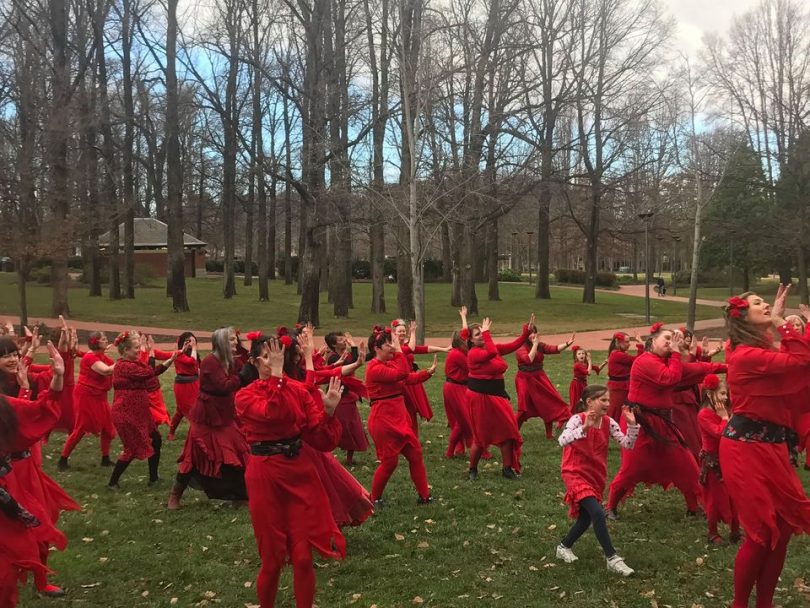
(761, 566)
(388, 465)
(303, 578)
(76, 436)
(506, 448)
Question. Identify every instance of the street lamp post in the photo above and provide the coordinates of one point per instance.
(675, 240)
(645, 217)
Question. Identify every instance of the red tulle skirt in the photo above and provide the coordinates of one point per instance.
(207, 449)
(617, 398)
(353, 437)
(391, 428)
(575, 390)
(416, 400)
(538, 398)
(494, 422)
(289, 506)
(92, 411)
(133, 421)
(349, 501)
(763, 485)
(157, 407)
(458, 410)
(185, 396)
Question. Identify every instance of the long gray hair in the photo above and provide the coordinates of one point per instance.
(221, 343)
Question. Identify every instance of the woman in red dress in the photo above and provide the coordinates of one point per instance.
(90, 400)
(288, 504)
(215, 453)
(765, 383)
(132, 381)
(416, 399)
(389, 423)
(536, 395)
(584, 471)
(712, 418)
(455, 396)
(660, 456)
(342, 350)
(619, 363)
(157, 405)
(583, 366)
(186, 380)
(493, 421)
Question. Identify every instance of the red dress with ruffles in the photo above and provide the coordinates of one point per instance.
(90, 397)
(619, 364)
(579, 383)
(186, 383)
(288, 503)
(390, 425)
(456, 406)
(759, 478)
(537, 397)
(214, 440)
(353, 437)
(492, 418)
(133, 381)
(715, 497)
(416, 399)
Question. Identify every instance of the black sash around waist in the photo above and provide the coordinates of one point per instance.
(530, 368)
(683, 389)
(452, 381)
(21, 455)
(643, 412)
(496, 388)
(619, 378)
(740, 428)
(384, 397)
(288, 447)
(183, 379)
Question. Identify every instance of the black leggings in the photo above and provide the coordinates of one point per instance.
(154, 462)
(590, 512)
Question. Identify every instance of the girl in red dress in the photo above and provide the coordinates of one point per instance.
(583, 366)
(584, 471)
(660, 456)
(416, 399)
(712, 418)
(157, 405)
(455, 392)
(619, 363)
(491, 416)
(765, 383)
(132, 381)
(187, 379)
(342, 350)
(215, 452)
(90, 399)
(389, 423)
(536, 395)
(288, 504)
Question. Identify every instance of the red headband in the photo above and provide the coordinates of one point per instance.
(575, 348)
(656, 328)
(620, 336)
(254, 335)
(121, 338)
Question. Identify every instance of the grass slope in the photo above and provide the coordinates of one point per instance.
(489, 543)
(564, 312)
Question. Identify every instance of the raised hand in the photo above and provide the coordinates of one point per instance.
(570, 340)
(532, 320)
(361, 353)
(536, 339)
(57, 363)
(331, 397)
(22, 374)
(273, 358)
(590, 420)
(677, 342)
(150, 343)
(704, 344)
(432, 369)
(462, 312)
(778, 307)
(638, 339)
(804, 311)
(486, 324)
(629, 415)
(349, 340)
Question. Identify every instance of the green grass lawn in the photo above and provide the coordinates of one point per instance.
(488, 543)
(766, 290)
(564, 312)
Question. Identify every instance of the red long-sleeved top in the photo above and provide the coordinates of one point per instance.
(764, 383)
(35, 419)
(455, 365)
(581, 371)
(543, 349)
(186, 365)
(215, 405)
(653, 379)
(711, 428)
(619, 364)
(90, 378)
(281, 408)
(385, 378)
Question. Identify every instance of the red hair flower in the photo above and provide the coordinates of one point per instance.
(575, 348)
(281, 331)
(464, 334)
(683, 330)
(395, 323)
(254, 335)
(286, 341)
(620, 335)
(656, 328)
(121, 338)
(711, 382)
(93, 342)
(736, 307)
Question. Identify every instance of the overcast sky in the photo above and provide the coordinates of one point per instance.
(696, 17)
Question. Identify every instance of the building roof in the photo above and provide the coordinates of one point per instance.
(150, 233)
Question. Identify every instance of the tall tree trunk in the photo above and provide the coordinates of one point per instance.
(447, 258)
(257, 162)
(458, 234)
(492, 260)
(272, 226)
(591, 244)
(288, 268)
(127, 159)
(174, 186)
(469, 249)
(229, 126)
(405, 277)
(377, 237)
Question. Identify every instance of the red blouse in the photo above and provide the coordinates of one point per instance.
(185, 365)
(619, 364)
(653, 379)
(387, 378)
(90, 378)
(486, 363)
(581, 371)
(711, 428)
(455, 365)
(215, 403)
(543, 349)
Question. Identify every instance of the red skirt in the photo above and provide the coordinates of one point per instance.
(684, 415)
(185, 396)
(92, 411)
(208, 448)
(289, 506)
(157, 406)
(19, 556)
(133, 421)
(716, 499)
(349, 501)
(617, 398)
(762, 485)
(67, 415)
(576, 490)
(458, 410)
(575, 390)
(416, 400)
(390, 427)
(353, 436)
(538, 398)
(494, 422)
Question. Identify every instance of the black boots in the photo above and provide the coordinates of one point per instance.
(118, 470)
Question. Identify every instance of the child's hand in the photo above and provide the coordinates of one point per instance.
(590, 420)
(629, 415)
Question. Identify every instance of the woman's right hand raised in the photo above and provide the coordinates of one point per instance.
(778, 307)
(331, 397)
(486, 324)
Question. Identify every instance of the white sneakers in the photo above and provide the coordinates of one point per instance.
(565, 554)
(616, 564)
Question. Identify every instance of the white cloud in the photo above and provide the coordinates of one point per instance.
(698, 17)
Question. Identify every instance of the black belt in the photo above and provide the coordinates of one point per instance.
(496, 388)
(683, 389)
(288, 447)
(452, 381)
(183, 379)
(530, 368)
(21, 455)
(665, 414)
(384, 397)
(619, 378)
(740, 428)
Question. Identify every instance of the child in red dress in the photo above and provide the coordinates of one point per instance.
(187, 379)
(583, 366)
(712, 419)
(342, 350)
(584, 471)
